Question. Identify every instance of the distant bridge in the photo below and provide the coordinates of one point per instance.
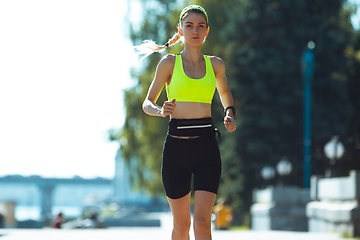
(47, 185)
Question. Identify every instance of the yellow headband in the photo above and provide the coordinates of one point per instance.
(185, 10)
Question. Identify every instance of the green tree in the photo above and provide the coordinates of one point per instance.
(353, 53)
(267, 39)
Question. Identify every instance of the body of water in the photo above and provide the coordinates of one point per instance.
(23, 213)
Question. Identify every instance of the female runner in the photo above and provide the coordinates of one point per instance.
(190, 147)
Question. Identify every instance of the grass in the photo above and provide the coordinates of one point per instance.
(238, 228)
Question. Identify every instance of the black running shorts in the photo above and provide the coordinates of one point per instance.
(183, 158)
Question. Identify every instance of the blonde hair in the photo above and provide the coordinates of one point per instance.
(148, 46)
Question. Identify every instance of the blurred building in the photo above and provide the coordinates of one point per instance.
(123, 192)
(35, 197)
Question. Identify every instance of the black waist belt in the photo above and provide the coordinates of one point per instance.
(192, 127)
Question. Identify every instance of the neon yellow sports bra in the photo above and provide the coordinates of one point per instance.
(185, 89)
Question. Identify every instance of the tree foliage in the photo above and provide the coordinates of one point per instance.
(353, 146)
(267, 39)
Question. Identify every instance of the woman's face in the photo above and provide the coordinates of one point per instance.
(194, 28)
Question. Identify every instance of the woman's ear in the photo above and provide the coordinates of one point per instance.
(207, 32)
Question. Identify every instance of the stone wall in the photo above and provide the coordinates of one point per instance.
(280, 208)
(335, 205)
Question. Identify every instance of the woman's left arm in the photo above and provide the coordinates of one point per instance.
(224, 92)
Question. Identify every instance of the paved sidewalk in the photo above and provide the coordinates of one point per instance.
(152, 233)
(149, 234)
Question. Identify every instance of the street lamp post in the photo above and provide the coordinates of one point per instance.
(267, 173)
(307, 66)
(284, 168)
(334, 150)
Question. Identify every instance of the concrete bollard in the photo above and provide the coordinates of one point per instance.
(280, 208)
(335, 205)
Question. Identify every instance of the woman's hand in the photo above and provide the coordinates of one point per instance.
(229, 123)
(168, 108)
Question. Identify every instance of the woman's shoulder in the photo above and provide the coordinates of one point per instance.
(216, 62)
(168, 59)
(166, 65)
(167, 62)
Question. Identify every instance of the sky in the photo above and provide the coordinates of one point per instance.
(63, 67)
(355, 20)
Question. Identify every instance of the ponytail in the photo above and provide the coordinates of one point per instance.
(148, 46)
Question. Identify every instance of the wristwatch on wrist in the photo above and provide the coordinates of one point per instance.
(232, 108)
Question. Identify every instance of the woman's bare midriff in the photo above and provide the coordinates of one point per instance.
(190, 110)
(183, 137)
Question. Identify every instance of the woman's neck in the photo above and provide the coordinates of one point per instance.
(192, 55)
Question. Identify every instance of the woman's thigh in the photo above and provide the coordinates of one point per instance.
(204, 203)
(180, 209)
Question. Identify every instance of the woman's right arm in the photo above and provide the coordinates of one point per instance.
(162, 75)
